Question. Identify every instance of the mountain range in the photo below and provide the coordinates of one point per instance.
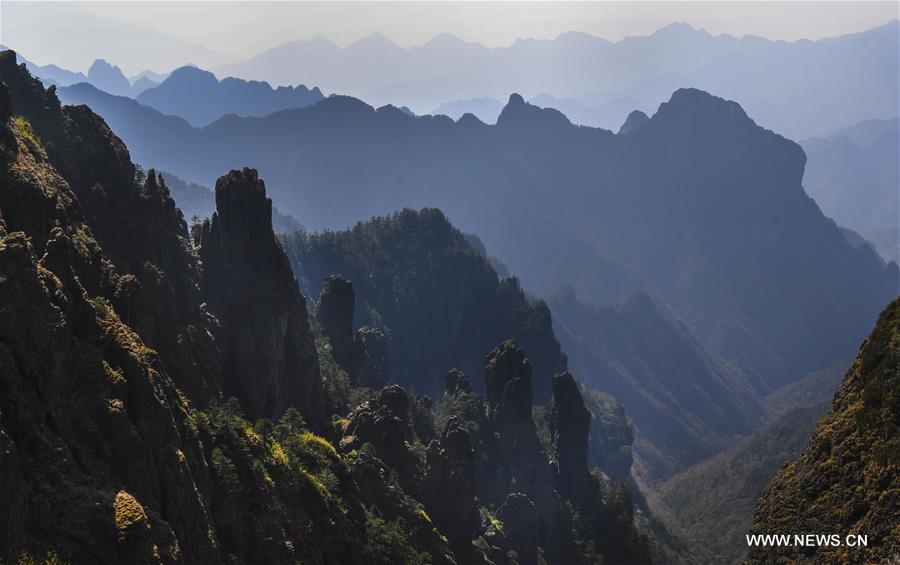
(200, 98)
(643, 69)
(662, 209)
(168, 397)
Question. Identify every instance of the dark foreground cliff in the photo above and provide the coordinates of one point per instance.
(167, 402)
(847, 481)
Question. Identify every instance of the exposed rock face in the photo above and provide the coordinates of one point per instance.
(373, 370)
(611, 436)
(385, 423)
(140, 231)
(334, 312)
(103, 459)
(79, 388)
(270, 357)
(509, 398)
(456, 382)
(449, 487)
(570, 424)
(521, 524)
(435, 296)
(847, 481)
(507, 378)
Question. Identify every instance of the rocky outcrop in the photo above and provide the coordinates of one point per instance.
(87, 409)
(270, 359)
(569, 424)
(611, 436)
(373, 370)
(509, 401)
(449, 488)
(433, 293)
(385, 423)
(334, 312)
(133, 219)
(103, 458)
(364, 355)
(847, 481)
(521, 525)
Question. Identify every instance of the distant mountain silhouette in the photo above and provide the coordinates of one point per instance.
(200, 98)
(854, 176)
(611, 78)
(108, 78)
(699, 207)
(102, 75)
(485, 109)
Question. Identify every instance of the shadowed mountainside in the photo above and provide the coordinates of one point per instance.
(698, 206)
(119, 347)
(440, 302)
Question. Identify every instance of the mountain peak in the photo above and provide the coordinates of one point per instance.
(634, 120)
(192, 73)
(372, 41)
(694, 100)
(517, 112)
(678, 29)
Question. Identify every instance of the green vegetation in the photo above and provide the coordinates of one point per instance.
(442, 305)
(23, 128)
(710, 505)
(847, 475)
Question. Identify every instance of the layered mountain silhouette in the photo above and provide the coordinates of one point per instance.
(854, 176)
(646, 69)
(607, 114)
(103, 75)
(200, 98)
(698, 207)
(171, 400)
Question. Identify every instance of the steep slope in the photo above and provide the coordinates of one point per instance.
(418, 279)
(104, 460)
(854, 175)
(710, 505)
(269, 355)
(106, 457)
(847, 480)
(196, 200)
(200, 98)
(686, 405)
(699, 207)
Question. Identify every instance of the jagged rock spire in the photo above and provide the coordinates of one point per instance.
(271, 361)
(570, 424)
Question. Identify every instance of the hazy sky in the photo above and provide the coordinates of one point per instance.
(134, 34)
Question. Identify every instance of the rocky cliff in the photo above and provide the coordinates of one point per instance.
(847, 480)
(162, 402)
(438, 301)
(106, 456)
(270, 359)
